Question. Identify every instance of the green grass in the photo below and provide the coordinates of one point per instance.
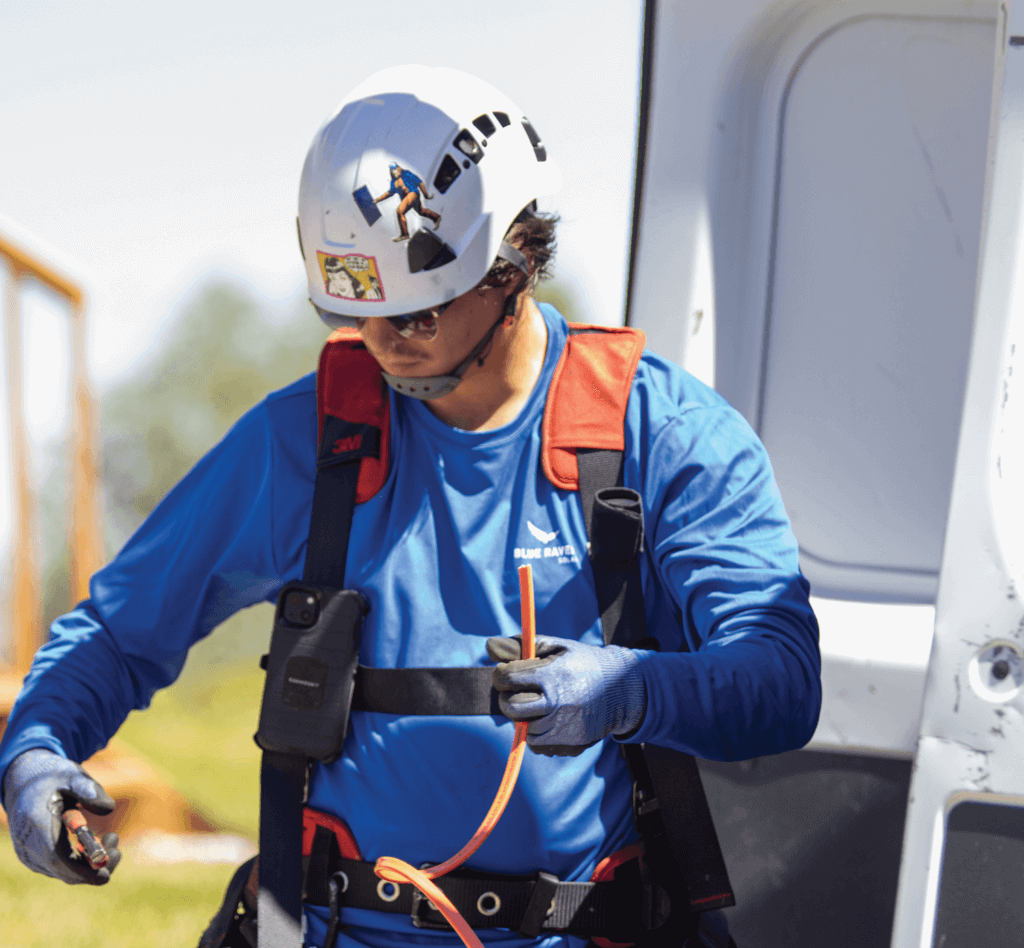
(140, 906)
(199, 731)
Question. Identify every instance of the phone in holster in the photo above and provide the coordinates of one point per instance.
(311, 670)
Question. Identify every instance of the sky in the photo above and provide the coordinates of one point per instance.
(156, 145)
(150, 148)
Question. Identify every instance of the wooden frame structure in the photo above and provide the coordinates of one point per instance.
(85, 533)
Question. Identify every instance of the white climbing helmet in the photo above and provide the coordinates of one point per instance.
(408, 190)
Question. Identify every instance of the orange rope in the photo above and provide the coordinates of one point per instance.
(396, 870)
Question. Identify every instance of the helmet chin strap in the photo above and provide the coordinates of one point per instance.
(435, 386)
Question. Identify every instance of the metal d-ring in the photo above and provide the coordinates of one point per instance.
(491, 909)
(342, 878)
(381, 891)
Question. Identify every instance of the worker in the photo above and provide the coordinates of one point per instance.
(466, 493)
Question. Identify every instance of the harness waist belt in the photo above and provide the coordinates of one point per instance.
(426, 690)
(528, 904)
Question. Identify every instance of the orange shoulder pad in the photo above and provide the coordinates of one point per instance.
(586, 405)
(349, 386)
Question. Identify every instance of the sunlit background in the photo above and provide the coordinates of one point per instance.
(157, 149)
(156, 144)
(152, 152)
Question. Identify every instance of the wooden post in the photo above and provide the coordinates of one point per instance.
(26, 606)
(88, 551)
(85, 531)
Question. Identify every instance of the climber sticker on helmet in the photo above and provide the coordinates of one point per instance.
(352, 277)
(408, 186)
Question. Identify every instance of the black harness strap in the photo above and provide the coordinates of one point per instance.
(426, 690)
(614, 520)
(334, 504)
(669, 804)
(527, 904)
(283, 776)
(282, 796)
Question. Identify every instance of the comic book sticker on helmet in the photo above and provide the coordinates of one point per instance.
(352, 277)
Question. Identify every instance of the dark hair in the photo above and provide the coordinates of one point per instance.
(533, 235)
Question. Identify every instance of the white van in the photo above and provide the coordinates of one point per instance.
(827, 229)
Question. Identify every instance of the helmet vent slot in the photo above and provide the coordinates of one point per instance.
(467, 144)
(538, 146)
(484, 125)
(428, 252)
(446, 174)
(503, 120)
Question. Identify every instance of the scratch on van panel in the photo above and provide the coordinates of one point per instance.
(937, 188)
(956, 707)
(974, 771)
(891, 376)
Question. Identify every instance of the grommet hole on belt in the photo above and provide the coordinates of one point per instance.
(341, 880)
(388, 891)
(488, 903)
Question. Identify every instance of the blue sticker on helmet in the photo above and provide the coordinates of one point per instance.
(364, 201)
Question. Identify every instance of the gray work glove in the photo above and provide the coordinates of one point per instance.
(572, 694)
(38, 786)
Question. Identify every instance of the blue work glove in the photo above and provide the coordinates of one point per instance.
(572, 694)
(38, 786)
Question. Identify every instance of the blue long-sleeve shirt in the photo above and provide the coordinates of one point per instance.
(435, 553)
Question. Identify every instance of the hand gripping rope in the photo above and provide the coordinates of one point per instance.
(396, 871)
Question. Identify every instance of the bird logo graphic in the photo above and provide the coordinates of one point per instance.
(541, 536)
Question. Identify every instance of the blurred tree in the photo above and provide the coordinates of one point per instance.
(564, 297)
(224, 353)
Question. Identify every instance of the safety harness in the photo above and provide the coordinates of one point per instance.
(651, 893)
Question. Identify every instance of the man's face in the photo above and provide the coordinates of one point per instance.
(459, 328)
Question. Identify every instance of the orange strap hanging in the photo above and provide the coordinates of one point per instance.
(395, 870)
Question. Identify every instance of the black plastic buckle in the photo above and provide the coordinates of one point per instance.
(424, 913)
(540, 906)
(644, 805)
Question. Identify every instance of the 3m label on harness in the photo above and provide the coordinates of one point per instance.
(345, 441)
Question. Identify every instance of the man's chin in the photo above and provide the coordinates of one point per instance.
(409, 368)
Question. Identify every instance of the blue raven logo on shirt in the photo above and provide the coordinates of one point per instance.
(540, 535)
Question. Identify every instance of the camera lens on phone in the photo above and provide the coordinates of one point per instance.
(300, 609)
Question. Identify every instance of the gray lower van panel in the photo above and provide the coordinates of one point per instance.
(812, 842)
